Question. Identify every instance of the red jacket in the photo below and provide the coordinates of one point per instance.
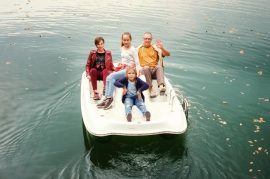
(91, 60)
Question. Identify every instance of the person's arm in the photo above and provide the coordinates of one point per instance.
(111, 66)
(120, 83)
(88, 65)
(136, 57)
(143, 85)
(165, 52)
(137, 62)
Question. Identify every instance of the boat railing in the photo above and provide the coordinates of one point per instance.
(183, 100)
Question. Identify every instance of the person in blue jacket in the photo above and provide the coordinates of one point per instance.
(132, 93)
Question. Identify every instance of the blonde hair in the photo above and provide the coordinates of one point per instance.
(131, 69)
(125, 33)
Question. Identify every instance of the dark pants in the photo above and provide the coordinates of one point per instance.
(98, 75)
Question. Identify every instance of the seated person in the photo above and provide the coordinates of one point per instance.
(151, 61)
(132, 93)
(99, 65)
(129, 58)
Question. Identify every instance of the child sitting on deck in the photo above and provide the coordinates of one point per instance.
(132, 93)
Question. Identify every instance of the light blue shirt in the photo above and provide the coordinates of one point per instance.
(131, 89)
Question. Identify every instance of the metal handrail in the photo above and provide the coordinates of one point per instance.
(172, 102)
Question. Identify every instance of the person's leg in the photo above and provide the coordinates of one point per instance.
(140, 104)
(146, 71)
(105, 73)
(110, 87)
(93, 75)
(106, 87)
(110, 82)
(128, 108)
(160, 75)
(128, 105)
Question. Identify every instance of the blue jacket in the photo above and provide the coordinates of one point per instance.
(140, 85)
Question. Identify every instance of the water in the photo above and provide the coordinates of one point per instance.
(220, 61)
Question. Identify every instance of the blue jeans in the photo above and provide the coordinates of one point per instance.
(130, 102)
(110, 82)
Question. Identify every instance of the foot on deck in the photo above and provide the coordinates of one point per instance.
(147, 115)
(129, 117)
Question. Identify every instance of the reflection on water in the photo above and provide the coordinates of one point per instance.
(220, 60)
(146, 156)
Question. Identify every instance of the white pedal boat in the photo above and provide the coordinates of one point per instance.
(168, 114)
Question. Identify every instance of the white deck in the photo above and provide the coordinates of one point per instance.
(167, 115)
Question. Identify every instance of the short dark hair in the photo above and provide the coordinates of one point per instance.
(98, 39)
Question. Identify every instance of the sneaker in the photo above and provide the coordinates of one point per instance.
(108, 103)
(129, 117)
(147, 115)
(102, 104)
(162, 89)
(153, 94)
(96, 96)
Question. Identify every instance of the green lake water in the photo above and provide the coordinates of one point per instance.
(220, 60)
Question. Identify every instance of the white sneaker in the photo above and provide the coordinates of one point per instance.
(162, 89)
(153, 94)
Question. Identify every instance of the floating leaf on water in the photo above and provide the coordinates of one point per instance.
(214, 72)
(232, 30)
(242, 92)
(250, 170)
(266, 100)
(227, 139)
(223, 122)
(251, 163)
(260, 72)
(224, 102)
(8, 63)
(256, 151)
(240, 124)
(250, 142)
(259, 148)
(242, 52)
(261, 120)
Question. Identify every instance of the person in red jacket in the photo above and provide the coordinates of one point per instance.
(99, 65)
